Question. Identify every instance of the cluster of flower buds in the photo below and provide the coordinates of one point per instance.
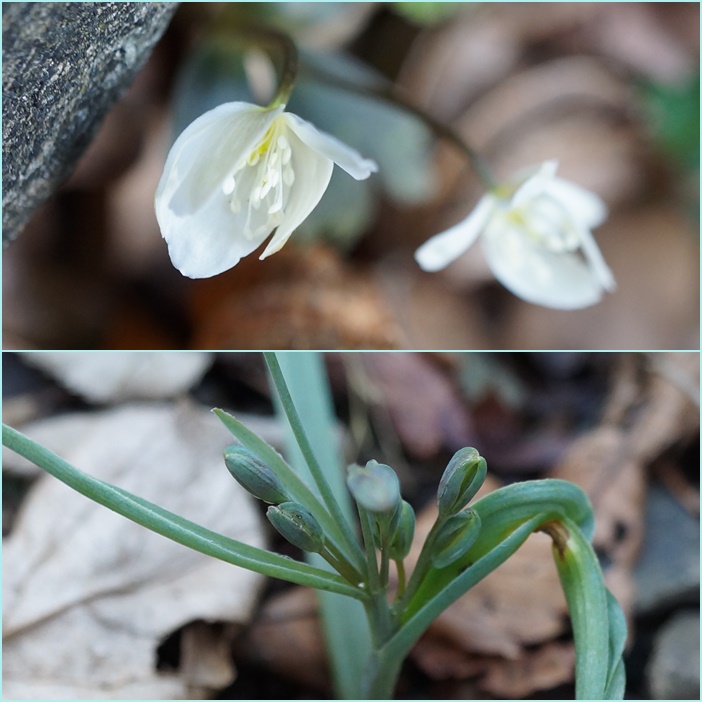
(292, 520)
(376, 489)
(456, 528)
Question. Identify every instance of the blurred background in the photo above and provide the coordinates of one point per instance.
(611, 90)
(95, 607)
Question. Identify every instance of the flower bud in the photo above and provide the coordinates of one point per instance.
(401, 540)
(375, 487)
(254, 475)
(297, 525)
(457, 535)
(462, 478)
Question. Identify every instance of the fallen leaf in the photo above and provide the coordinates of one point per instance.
(118, 376)
(88, 596)
(543, 668)
(298, 299)
(287, 638)
(424, 405)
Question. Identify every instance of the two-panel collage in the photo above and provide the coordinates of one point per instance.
(351, 351)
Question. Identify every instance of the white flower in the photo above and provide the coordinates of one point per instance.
(238, 173)
(537, 239)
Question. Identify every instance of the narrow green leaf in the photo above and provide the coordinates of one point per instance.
(312, 364)
(173, 526)
(587, 599)
(344, 622)
(616, 678)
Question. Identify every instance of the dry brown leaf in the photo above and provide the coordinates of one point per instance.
(671, 411)
(295, 300)
(287, 638)
(441, 659)
(543, 668)
(432, 314)
(425, 407)
(206, 657)
(88, 595)
(113, 377)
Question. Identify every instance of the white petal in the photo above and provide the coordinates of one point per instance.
(589, 209)
(444, 248)
(596, 260)
(539, 276)
(312, 175)
(204, 236)
(209, 241)
(533, 181)
(206, 151)
(342, 155)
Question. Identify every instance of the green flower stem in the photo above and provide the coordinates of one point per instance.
(371, 558)
(377, 607)
(175, 527)
(288, 73)
(401, 580)
(271, 41)
(344, 529)
(297, 487)
(384, 566)
(341, 566)
(381, 92)
(423, 562)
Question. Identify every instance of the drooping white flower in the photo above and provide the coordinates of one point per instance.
(537, 239)
(237, 174)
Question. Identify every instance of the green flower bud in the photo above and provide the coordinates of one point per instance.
(462, 478)
(401, 540)
(254, 475)
(456, 536)
(375, 487)
(297, 525)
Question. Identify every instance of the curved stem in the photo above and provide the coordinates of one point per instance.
(272, 41)
(477, 163)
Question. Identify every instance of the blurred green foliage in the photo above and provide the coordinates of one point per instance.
(429, 13)
(674, 114)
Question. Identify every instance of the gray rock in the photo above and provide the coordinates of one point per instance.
(668, 572)
(673, 671)
(63, 66)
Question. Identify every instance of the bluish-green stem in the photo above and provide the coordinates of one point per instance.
(345, 531)
(377, 608)
(346, 629)
(423, 562)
